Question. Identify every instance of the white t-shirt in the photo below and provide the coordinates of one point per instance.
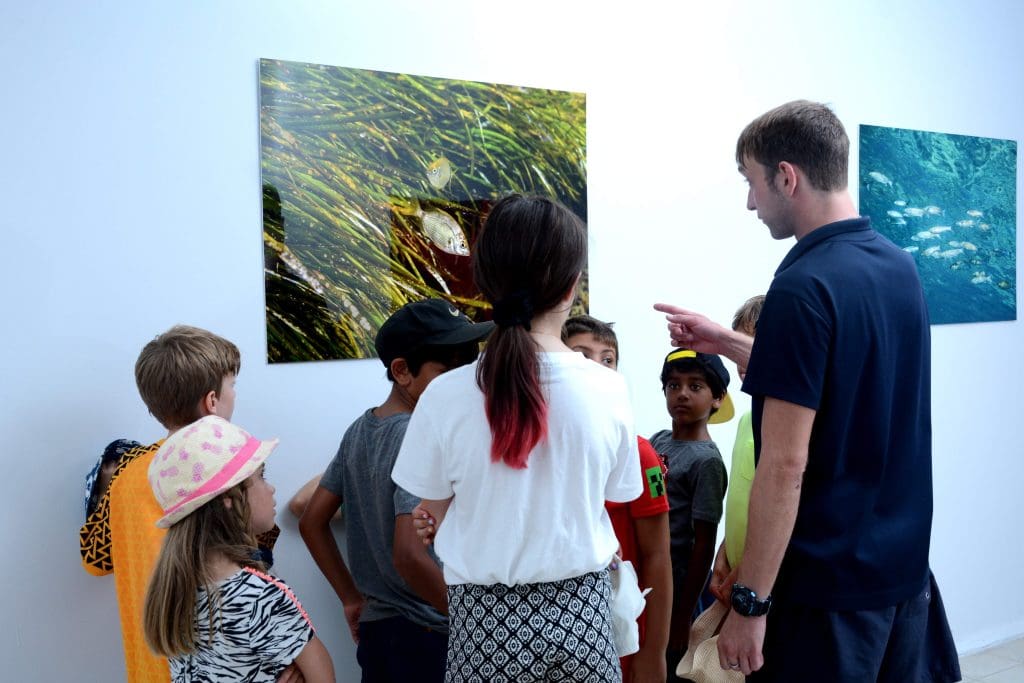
(543, 523)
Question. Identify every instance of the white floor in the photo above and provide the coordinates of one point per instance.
(1001, 664)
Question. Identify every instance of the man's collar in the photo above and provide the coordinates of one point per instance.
(819, 235)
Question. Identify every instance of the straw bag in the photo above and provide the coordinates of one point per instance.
(701, 664)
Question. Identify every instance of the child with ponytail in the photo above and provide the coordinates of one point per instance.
(515, 455)
(211, 608)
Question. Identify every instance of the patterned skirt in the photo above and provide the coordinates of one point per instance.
(558, 631)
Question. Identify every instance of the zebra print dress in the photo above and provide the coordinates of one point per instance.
(258, 630)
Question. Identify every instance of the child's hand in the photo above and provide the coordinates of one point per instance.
(649, 666)
(616, 560)
(722, 577)
(291, 674)
(425, 525)
(352, 612)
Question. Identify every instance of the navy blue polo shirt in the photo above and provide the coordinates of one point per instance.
(844, 330)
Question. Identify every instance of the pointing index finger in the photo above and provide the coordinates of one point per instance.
(670, 309)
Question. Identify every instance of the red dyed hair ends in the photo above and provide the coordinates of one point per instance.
(525, 261)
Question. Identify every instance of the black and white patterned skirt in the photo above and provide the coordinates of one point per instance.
(558, 631)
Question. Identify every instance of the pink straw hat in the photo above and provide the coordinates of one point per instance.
(199, 462)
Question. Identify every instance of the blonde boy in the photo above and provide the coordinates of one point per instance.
(184, 374)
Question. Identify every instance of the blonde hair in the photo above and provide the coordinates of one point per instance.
(745, 320)
(181, 366)
(169, 614)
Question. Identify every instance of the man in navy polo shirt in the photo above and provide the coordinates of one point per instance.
(834, 584)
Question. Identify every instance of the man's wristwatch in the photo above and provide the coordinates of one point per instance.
(746, 604)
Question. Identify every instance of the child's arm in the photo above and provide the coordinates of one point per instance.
(94, 536)
(315, 527)
(103, 479)
(416, 566)
(696, 574)
(315, 663)
(297, 505)
(423, 523)
(723, 576)
(655, 573)
(427, 517)
(93, 539)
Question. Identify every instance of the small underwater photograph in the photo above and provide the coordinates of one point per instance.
(951, 202)
(375, 185)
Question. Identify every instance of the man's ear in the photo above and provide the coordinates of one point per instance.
(716, 403)
(400, 371)
(786, 178)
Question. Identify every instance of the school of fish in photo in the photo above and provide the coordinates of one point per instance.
(950, 201)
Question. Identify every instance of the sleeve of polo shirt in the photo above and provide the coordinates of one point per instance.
(420, 466)
(791, 350)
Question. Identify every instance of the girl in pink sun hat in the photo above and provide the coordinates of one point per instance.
(211, 608)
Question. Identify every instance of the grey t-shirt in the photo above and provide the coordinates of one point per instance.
(695, 484)
(360, 474)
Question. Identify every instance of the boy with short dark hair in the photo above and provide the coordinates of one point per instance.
(641, 525)
(695, 387)
(182, 375)
(395, 598)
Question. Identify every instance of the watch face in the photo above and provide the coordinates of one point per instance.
(741, 600)
(745, 601)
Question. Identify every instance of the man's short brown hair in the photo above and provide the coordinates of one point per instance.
(806, 134)
(181, 366)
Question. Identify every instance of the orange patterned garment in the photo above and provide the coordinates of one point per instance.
(123, 528)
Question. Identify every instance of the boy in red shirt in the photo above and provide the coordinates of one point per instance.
(641, 525)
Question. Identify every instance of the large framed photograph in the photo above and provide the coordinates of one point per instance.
(375, 185)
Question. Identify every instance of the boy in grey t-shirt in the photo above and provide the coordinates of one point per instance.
(393, 590)
(695, 386)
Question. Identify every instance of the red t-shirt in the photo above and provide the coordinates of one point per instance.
(651, 502)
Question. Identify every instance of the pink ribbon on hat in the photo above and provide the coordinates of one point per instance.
(217, 481)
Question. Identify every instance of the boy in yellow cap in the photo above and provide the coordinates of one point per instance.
(695, 386)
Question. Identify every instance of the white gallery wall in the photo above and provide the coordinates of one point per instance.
(131, 202)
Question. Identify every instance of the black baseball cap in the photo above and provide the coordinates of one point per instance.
(432, 322)
(713, 364)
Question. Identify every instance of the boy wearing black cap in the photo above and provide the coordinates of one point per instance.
(395, 597)
(695, 386)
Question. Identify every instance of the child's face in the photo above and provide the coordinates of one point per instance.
(260, 495)
(688, 397)
(459, 356)
(428, 372)
(594, 349)
(225, 400)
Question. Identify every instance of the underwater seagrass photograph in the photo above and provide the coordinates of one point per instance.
(375, 185)
(951, 202)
